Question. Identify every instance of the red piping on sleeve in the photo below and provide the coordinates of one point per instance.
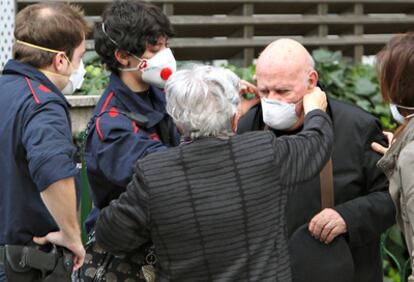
(98, 128)
(32, 90)
(108, 99)
(135, 127)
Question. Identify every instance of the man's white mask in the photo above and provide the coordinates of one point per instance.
(158, 69)
(75, 80)
(278, 115)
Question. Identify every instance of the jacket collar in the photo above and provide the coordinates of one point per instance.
(133, 102)
(389, 161)
(18, 68)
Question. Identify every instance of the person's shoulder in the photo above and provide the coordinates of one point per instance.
(109, 116)
(352, 114)
(161, 160)
(406, 156)
(14, 88)
(113, 123)
(255, 135)
(259, 140)
(40, 94)
(107, 100)
(354, 125)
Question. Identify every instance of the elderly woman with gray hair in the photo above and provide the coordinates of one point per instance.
(215, 205)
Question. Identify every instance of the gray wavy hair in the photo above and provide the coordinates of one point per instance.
(203, 100)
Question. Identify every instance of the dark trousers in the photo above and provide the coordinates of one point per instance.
(2, 274)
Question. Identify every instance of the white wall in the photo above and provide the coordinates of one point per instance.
(7, 16)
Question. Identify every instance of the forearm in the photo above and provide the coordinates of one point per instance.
(123, 225)
(306, 152)
(60, 200)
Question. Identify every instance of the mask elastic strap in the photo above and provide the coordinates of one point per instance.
(138, 67)
(106, 34)
(128, 69)
(44, 49)
(409, 116)
(403, 107)
(38, 47)
(406, 108)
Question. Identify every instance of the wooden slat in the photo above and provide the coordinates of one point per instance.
(262, 41)
(283, 19)
(257, 42)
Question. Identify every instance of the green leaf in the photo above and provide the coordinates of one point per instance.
(337, 78)
(90, 57)
(364, 104)
(364, 87)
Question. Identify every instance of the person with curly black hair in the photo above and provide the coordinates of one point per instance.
(130, 120)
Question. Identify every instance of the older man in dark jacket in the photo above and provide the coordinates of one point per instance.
(363, 207)
(215, 205)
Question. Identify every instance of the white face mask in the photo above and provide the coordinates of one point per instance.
(279, 115)
(396, 114)
(75, 80)
(158, 69)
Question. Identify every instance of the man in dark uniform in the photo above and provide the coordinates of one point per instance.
(363, 208)
(130, 121)
(37, 167)
(132, 41)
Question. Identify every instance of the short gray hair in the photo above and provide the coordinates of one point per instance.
(203, 100)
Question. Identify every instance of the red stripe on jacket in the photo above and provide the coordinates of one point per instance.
(134, 125)
(108, 99)
(32, 90)
(98, 128)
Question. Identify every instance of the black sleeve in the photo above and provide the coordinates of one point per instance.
(252, 120)
(300, 157)
(123, 226)
(373, 212)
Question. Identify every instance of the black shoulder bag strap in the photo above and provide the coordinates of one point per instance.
(327, 188)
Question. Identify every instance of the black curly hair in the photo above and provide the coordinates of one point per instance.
(129, 26)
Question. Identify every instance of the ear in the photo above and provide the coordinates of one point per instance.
(313, 79)
(234, 122)
(122, 57)
(59, 62)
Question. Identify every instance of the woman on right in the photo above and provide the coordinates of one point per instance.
(396, 74)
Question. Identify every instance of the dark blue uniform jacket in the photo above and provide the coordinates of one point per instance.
(115, 141)
(36, 150)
